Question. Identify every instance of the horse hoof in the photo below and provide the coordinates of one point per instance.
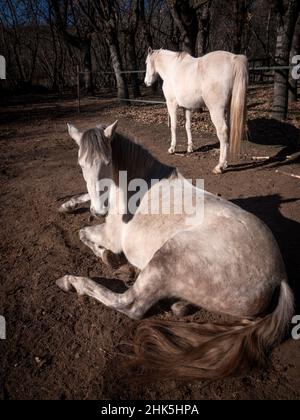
(82, 235)
(65, 284)
(65, 209)
(180, 308)
(217, 170)
(190, 149)
(171, 151)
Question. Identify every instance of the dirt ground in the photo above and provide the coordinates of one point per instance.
(60, 346)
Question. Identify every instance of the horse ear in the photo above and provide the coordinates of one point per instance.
(110, 130)
(150, 51)
(74, 133)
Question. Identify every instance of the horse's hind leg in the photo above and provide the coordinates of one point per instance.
(188, 118)
(219, 121)
(172, 109)
(134, 303)
(74, 203)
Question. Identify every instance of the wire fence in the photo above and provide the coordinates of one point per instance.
(256, 75)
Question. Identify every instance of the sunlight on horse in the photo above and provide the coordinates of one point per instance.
(227, 262)
(218, 80)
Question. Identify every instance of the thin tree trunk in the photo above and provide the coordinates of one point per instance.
(295, 50)
(145, 25)
(185, 18)
(87, 67)
(133, 65)
(286, 21)
(204, 27)
(240, 7)
(117, 66)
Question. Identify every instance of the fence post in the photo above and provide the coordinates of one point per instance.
(78, 89)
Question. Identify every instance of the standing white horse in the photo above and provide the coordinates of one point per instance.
(218, 80)
(226, 261)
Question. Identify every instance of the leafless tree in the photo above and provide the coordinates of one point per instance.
(184, 13)
(77, 32)
(295, 50)
(23, 41)
(287, 13)
(130, 12)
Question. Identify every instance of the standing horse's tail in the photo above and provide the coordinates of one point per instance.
(189, 351)
(238, 107)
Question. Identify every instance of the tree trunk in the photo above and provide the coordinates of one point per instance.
(145, 26)
(204, 27)
(133, 65)
(240, 7)
(87, 68)
(295, 50)
(286, 21)
(185, 18)
(117, 66)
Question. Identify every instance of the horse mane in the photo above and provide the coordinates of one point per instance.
(125, 154)
(178, 54)
(94, 145)
(128, 155)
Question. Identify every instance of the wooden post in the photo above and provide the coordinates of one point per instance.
(78, 90)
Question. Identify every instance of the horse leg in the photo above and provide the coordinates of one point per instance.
(172, 109)
(134, 303)
(219, 121)
(95, 238)
(188, 116)
(74, 203)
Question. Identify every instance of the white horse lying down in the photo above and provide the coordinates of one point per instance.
(227, 262)
(218, 80)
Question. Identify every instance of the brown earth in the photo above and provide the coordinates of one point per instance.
(60, 346)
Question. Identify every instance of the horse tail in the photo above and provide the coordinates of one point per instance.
(238, 107)
(170, 349)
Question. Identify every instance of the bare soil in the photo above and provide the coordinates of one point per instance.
(60, 346)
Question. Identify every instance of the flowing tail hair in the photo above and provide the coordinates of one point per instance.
(170, 349)
(238, 107)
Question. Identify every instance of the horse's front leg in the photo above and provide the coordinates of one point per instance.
(97, 240)
(74, 203)
(135, 302)
(172, 109)
(188, 124)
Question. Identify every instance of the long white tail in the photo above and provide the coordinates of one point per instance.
(238, 107)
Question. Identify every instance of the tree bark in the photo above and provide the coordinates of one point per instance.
(185, 18)
(80, 41)
(87, 67)
(192, 19)
(287, 14)
(295, 50)
(115, 55)
(130, 30)
(133, 65)
(240, 8)
(203, 28)
(145, 26)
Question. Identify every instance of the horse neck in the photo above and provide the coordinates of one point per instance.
(137, 162)
(163, 61)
